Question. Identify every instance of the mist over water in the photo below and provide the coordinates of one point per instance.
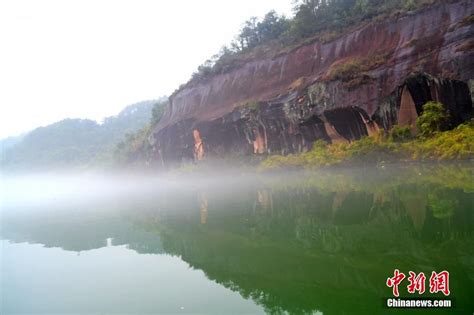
(232, 242)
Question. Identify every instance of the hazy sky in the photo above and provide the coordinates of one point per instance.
(91, 58)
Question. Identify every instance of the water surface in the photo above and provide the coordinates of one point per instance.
(296, 243)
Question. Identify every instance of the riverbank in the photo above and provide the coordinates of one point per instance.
(394, 146)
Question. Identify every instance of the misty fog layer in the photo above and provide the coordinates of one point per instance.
(270, 243)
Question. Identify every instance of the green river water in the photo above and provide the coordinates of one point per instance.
(293, 243)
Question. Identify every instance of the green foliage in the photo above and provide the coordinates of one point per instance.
(353, 71)
(468, 20)
(134, 147)
(74, 142)
(313, 20)
(157, 112)
(345, 71)
(369, 149)
(255, 32)
(442, 204)
(253, 105)
(399, 145)
(409, 5)
(400, 134)
(279, 162)
(453, 144)
(361, 5)
(322, 154)
(433, 119)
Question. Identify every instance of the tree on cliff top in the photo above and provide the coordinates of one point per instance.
(311, 17)
(255, 33)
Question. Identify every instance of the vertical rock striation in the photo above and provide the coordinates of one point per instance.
(282, 104)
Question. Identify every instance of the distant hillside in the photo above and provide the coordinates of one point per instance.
(73, 142)
(10, 141)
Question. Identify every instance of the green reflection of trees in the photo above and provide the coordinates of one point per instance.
(327, 241)
(294, 243)
(442, 204)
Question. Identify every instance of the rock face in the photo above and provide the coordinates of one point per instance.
(374, 77)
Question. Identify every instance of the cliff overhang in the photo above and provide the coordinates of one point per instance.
(374, 77)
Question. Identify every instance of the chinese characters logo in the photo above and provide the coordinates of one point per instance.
(438, 282)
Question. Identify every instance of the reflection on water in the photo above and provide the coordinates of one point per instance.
(297, 243)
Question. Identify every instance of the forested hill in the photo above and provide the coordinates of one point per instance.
(77, 143)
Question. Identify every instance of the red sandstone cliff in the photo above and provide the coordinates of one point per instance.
(307, 94)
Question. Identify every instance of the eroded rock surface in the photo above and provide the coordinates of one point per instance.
(282, 104)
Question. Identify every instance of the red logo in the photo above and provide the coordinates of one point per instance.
(439, 282)
(417, 282)
(395, 281)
